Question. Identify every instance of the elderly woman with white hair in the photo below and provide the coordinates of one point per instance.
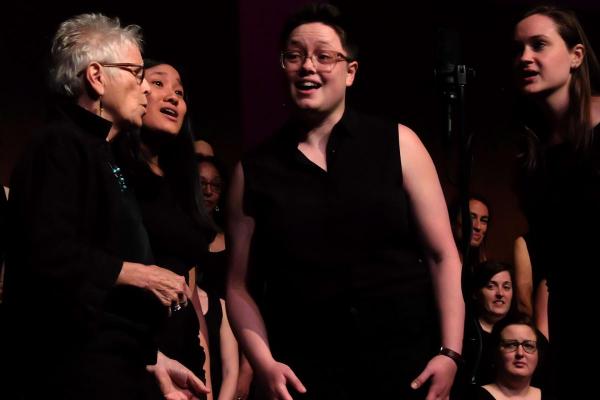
(83, 296)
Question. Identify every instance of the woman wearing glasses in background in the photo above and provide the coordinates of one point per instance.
(515, 342)
(349, 301)
(83, 297)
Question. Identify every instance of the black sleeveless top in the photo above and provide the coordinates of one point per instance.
(336, 249)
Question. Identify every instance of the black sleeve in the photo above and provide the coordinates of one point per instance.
(53, 208)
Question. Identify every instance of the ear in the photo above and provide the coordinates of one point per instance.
(95, 79)
(577, 54)
(351, 72)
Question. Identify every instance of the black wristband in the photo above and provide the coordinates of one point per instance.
(456, 357)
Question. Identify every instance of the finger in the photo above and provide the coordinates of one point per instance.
(196, 385)
(421, 379)
(293, 380)
(281, 392)
(164, 381)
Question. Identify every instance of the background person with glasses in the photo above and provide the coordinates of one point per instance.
(84, 298)
(359, 286)
(517, 355)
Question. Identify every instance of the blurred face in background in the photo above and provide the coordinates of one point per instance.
(210, 181)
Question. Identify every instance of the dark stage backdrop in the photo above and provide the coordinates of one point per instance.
(229, 53)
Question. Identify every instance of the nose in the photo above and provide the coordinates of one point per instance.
(305, 66)
(520, 351)
(172, 98)
(526, 55)
(145, 87)
(476, 224)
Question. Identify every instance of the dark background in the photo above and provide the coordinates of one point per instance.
(228, 51)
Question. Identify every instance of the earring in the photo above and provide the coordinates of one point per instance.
(217, 208)
(101, 107)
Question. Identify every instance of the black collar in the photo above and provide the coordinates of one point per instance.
(87, 121)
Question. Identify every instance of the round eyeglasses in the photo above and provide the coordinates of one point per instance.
(510, 346)
(323, 60)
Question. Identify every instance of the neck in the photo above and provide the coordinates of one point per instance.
(555, 107)
(319, 126)
(513, 386)
(487, 322)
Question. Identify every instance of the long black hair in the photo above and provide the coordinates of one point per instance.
(176, 158)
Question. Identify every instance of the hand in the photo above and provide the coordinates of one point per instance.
(167, 286)
(441, 370)
(176, 381)
(275, 378)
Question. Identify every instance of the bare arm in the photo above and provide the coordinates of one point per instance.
(245, 317)
(229, 358)
(427, 200)
(541, 308)
(523, 277)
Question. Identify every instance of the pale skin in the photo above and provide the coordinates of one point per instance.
(322, 107)
(523, 276)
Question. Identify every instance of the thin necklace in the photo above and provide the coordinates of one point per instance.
(116, 170)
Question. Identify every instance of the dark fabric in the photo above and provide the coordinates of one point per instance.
(482, 394)
(214, 318)
(347, 296)
(538, 272)
(212, 275)
(72, 225)
(178, 245)
(562, 203)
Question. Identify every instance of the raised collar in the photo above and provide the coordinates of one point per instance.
(90, 123)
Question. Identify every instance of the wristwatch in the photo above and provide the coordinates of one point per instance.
(456, 357)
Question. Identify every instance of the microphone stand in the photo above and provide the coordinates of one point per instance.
(455, 79)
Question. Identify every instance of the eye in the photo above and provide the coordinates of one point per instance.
(325, 57)
(529, 346)
(293, 56)
(538, 45)
(179, 93)
(157, 83)
(507, 287)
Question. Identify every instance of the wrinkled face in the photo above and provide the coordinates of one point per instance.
(543, 62)
(166, 105)
(124, 100)
(496, 297)
(311, 89)
(479, 221)
(518, 362)
(211, 183)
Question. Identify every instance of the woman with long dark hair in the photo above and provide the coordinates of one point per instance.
(163, 170)
(556, 72)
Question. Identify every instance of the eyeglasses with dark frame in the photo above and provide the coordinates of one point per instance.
(215, 185)
(510, 346)
(138, 71)
(323, 60)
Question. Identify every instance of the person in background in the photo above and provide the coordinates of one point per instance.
(515, 342)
